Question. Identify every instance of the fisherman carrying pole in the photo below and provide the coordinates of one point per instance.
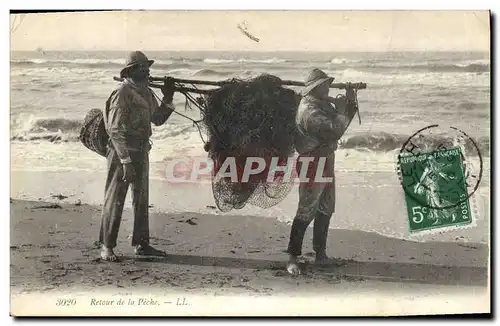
(321, 122)
(130, 110)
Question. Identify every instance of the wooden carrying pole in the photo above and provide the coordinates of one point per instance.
(221, 83)
(177, 88)
(153, 82)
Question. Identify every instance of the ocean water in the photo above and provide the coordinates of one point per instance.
(52, 91)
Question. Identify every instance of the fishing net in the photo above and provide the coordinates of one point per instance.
(250, 118)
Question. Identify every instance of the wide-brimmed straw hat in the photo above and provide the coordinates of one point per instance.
(135, 58)
(315, 78)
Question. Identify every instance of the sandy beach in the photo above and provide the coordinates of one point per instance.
(434, 68)
(53, 250)
(218, 262)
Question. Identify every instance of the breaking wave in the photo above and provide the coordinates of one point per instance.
(465, 66)
(243, 60)
(68, 130)
(95, 63)
(384, 142)
(339, 61)
(475, 67)
(211, 72)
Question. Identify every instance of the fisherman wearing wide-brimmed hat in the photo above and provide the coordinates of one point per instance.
(135, 59)
(130, 110)
(321, 121)
(317, 78)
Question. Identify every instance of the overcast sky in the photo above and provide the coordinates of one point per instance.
(278, 31)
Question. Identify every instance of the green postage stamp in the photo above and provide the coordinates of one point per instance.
(435, 189)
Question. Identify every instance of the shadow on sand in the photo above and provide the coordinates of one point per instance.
(349, 269)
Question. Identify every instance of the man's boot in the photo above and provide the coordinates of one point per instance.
(297, 233)
(320, 236)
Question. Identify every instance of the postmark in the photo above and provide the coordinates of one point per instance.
(440, 169)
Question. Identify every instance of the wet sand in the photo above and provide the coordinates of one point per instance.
(53, 250)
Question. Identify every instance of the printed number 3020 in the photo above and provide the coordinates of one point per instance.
(65, 302)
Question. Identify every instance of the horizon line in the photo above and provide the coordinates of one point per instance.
(262, 51)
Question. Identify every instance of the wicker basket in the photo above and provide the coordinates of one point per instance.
(93, 133)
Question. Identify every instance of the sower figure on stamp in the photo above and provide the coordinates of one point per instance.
(130, 110)
(428, 185)
(321, 121)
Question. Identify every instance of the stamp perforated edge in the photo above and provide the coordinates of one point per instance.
(473, 206)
